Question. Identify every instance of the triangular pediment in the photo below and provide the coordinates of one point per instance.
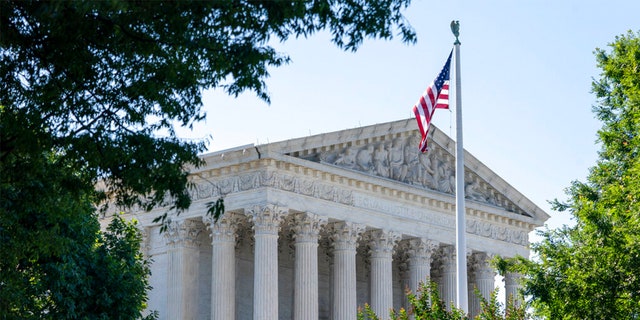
(390, 151)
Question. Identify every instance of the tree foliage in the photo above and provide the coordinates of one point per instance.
(91, 93)
(56, 263)
(106, 82)
(590, 270)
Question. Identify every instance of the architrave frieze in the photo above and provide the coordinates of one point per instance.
(369, 195)
(362, 191)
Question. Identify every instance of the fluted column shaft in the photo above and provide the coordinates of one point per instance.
(485, 280)
(448, 276)
(266, 221)
(182, 282)
(223, 265)
(419, 262)
(381, 244)
(305, 301)
(512, 287)
(345, 236)
(484, 277)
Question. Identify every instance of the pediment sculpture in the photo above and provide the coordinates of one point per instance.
(399, 159)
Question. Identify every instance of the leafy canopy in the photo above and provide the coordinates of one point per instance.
(90, 95)
(104, 83)
(590, 270)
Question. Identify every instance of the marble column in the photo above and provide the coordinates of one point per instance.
(512, 288)
(472, 298)
(381, 244)
(266, 223)
(419, 252)
(484, 280)
(473, 302)
(344, 237)
(306, 227)
(403, 272)
(223, 265)
(447, 283)
(182, 282)
(145, 244)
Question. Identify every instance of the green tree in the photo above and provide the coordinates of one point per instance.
(426, 304)
(103, 276)
(423, 305)
(590, 270)
(90, 95)
(106, 82)
(56, 263)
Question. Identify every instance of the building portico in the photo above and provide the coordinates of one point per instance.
(315, 227)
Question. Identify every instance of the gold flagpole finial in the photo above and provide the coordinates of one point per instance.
(455, 28)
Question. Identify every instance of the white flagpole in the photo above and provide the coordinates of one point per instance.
(461, 242)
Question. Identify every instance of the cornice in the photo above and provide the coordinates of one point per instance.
(297, 175)
(305, 148)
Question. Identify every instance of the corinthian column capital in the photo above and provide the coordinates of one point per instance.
(225, 228)
(481, 264)
(421, 250)
(183, 232)
(306, 226)
(266, 217)
(345, 234)
(382, 242)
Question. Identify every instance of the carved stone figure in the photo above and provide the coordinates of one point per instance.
(397, 168)
(381, 160)
(428, 170)
(473, 191)
(446, 178)
(364, 159)
(412, 163)
(347, 159)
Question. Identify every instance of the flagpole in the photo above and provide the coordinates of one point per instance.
(461, 242)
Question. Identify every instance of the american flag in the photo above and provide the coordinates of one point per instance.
(436, 96)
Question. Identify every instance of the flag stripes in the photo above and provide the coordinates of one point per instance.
(436, 96)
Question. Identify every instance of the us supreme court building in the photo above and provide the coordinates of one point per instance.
(316, 226)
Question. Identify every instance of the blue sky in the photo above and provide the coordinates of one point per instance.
(527, 68)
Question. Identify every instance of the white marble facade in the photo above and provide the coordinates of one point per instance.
(317, 226)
